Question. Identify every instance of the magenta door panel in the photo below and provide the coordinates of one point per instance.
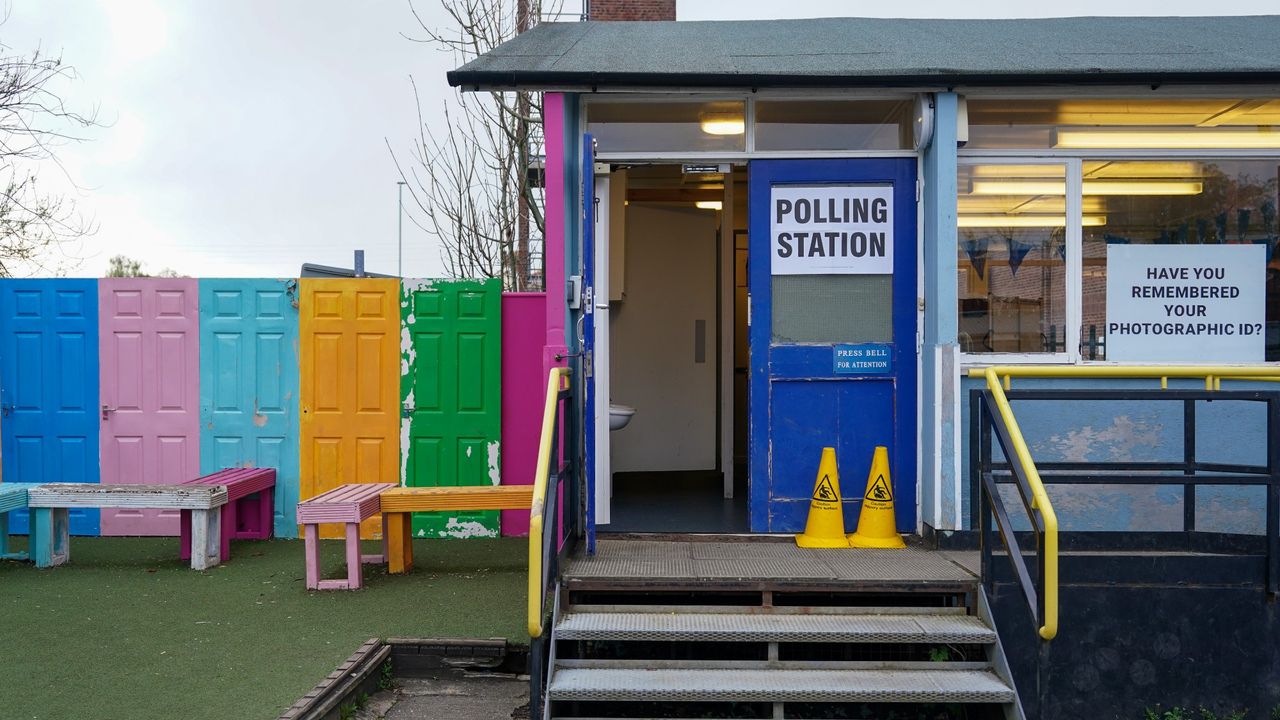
(150, 392)
(524, 389)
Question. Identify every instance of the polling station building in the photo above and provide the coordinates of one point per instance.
(774, 236)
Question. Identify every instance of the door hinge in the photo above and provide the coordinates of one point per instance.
(587, 370)
(588, 300)
(919, 189)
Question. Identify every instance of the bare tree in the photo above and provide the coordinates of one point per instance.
(472, 180)
(34, 121)
(123, 266)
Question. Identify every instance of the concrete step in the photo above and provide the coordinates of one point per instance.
(741, 626)
(874, 685)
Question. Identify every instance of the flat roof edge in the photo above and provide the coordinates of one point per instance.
(535, 80)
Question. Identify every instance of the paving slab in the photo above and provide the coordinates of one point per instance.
(461, 695)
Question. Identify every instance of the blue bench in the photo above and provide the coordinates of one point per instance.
(13, 496)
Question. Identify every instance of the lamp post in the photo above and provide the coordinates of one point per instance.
(400, 229)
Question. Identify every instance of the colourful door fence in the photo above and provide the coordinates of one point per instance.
(450, 387)
(49, 387)
(349, 422)
(249, 384)
(150, 392)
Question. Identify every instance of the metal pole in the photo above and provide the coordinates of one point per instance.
(400, 230)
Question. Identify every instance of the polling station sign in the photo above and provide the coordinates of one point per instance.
(1186, 303)
(831, 229)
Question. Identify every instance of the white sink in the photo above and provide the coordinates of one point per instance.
(620, 415)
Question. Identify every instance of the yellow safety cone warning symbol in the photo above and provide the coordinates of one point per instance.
(877, 526)
(825, 526)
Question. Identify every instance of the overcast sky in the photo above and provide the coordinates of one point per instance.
(245, 137)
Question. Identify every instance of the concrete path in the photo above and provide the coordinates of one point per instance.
(452, 694)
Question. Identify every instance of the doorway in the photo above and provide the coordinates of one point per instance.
(675, 325)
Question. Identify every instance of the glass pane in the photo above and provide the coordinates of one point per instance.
(668, 126)
(1083, 123)
(1207, 202)
(1012, 258)
(824, 125)
(832, 308)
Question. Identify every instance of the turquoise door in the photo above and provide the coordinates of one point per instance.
(249, 383)
(49, 387)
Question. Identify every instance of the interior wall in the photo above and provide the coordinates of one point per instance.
(670, 269)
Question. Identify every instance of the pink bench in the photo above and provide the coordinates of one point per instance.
(347, 504)
(248, 512)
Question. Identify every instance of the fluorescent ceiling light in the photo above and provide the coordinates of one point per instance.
(1091, 187)
(723, 124)
(1144, 169)
(1024, 221)
(709, 205)
(1168, 139)
(1044, 204)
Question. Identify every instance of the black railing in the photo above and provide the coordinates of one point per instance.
(559, 536)
(987, 473)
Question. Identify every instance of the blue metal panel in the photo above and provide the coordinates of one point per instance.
(249, 383)
(798, 404)
(49, 387)
(588, 333)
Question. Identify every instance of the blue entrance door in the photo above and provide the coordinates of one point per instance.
(832, 283)
(49, 387)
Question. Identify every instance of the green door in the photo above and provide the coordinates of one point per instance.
(450, 390)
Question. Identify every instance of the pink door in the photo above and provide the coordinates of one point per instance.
(150, 392)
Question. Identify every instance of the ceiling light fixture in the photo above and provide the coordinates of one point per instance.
(1090, 187)
(709, 205)
(1171, 139)
(723, 123)
(1025, 221)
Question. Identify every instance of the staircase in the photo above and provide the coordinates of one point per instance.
(626, 650)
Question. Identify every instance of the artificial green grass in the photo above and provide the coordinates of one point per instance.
(127, 631)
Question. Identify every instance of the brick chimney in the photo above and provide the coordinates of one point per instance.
(631, 10)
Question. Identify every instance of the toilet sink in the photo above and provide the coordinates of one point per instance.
(619, 416)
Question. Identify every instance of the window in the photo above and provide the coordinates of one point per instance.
(1012, 258)
(1033, 241)
(717, 126)
(1149, 124)
(833, 125)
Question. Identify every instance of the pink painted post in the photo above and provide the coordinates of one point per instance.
(553, 245)
(553, 248)
(523, 385)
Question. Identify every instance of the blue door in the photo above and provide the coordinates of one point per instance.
(588, 334)
(832, 283)
(49, 387)
(249, 384)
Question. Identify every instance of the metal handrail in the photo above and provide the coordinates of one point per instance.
(999, 378)
(557, 381)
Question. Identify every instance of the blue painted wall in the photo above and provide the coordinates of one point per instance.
(49, 387)
(249, 384)
(1136, 431)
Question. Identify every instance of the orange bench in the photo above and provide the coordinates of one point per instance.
(399, 503)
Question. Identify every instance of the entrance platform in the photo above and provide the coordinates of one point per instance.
(762, 560)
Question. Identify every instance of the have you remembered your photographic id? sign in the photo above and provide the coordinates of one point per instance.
(1186, 303)
(831, 229)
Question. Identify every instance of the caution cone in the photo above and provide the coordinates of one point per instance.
(825, 526)
(877, 526)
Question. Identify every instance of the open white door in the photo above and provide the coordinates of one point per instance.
(601, 359)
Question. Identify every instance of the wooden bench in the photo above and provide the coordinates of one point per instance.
(249, 509)
(50, 536)
(350, 505)
(13, 497)
(399, 503)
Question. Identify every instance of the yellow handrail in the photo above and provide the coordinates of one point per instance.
(998, 378)
(555, 381)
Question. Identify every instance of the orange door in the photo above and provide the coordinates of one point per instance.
(350, 415)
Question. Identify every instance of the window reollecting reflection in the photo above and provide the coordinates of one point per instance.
(1012, 258)
(717, 126)
(833, 125)
(1204, 202)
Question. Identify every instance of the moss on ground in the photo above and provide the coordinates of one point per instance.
(127, 631)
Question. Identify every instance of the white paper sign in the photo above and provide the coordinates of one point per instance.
(831, 229)
(1186, 303)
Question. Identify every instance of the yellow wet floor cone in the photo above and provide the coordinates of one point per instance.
(825, 526)
(877, 526)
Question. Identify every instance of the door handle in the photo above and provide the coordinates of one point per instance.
(106, 412)
(6, 409)
(406, 410)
